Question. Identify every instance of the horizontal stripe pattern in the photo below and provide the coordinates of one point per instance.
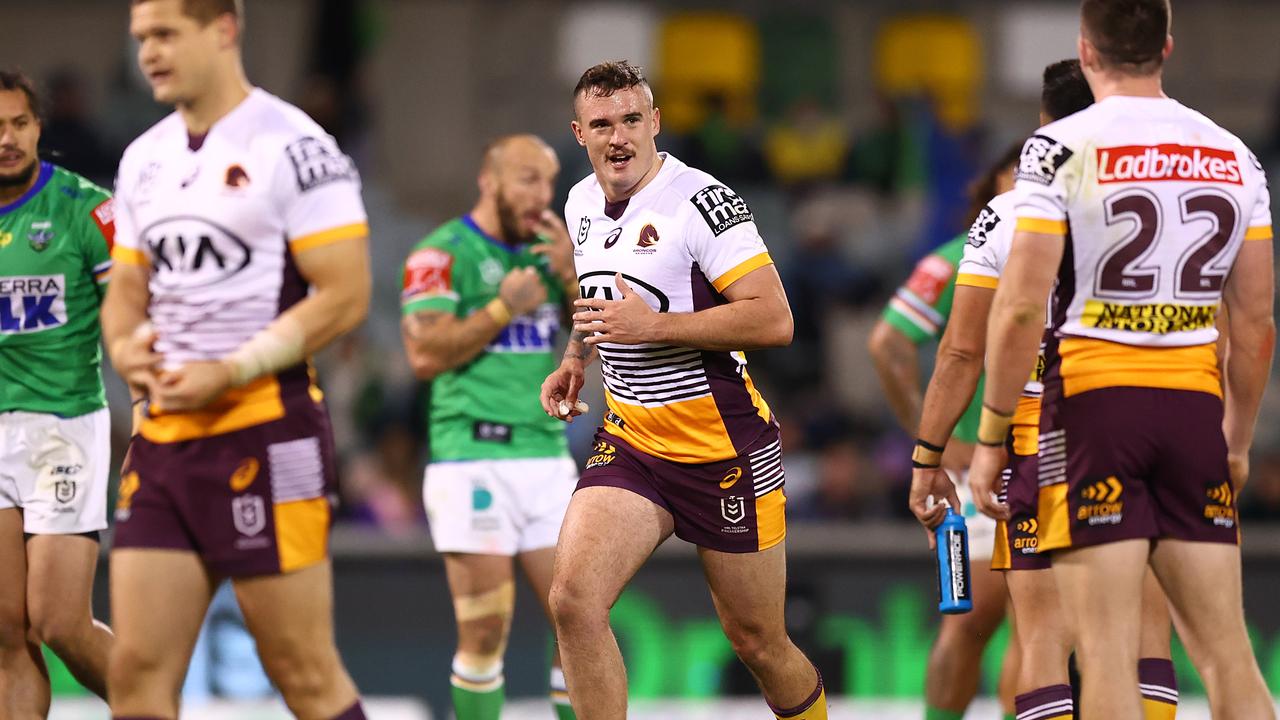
(1053, 457)
(297, 470)
(976, 280)
(1042, 226)
(766, 468)
(1258, 232)
(653, 375)
(1055, 709)
(1158, 692)
(189, 331)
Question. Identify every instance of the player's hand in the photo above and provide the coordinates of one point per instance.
(1238, 467)
(629, 321)
(986, 478)
(559, 394)
(135, 359)
(522, 290)
(935, 484)
(193, 386)
(558, 250)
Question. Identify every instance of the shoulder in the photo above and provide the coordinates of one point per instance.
(583, 191)
(703, 195)
(78, 188)
(449, 239)
(1052, 146)
(143, 147)
(277, 129)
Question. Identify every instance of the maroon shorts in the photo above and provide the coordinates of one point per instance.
(256, 501)
(1126, 463)
(1023, 491)
(734, 505)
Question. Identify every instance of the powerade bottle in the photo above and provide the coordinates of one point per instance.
(955, 592)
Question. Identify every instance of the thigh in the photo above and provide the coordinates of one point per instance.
(748, 589)
(60, 572)
(13, 575)
(1157, 627)
(289, 614)
(470, 508)
(608, 533)
(64, 488)
(482, 586)
(538, 566)
(1033, 594)
(1205, 619)
(158, 603)
(1100, 590)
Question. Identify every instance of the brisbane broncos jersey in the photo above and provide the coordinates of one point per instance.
(678, 243)
(1154, 200)
(217, 220)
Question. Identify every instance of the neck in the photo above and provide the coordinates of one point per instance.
(614, 195)
(218, 99)
(1111, 84)
(12, 193)
(485, 216)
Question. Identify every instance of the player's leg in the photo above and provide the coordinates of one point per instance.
(1156, 678)
(24, 680)
(749, 592)
(60, 572)
(538, 566)
(608, 533)
(955, 661)
(1010, 667)
(1044, 645)
(291, 617)
(158, 601)
(484, 598)
(1100, 588)
(1212, 625)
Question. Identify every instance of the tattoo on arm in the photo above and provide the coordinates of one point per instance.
(576, 347)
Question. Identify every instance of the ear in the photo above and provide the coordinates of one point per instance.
(577, 133)
(1168, 47)
(657, 121)
(487, 184)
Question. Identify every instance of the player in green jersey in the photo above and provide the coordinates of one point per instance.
(482, 302)
(917, 314)
(55, 234)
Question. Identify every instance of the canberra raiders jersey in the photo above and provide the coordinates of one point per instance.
(1154, 201)
(217, 221)
(488, 408)
(55, 255)
(678, 243)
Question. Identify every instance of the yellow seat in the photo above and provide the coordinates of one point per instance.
(706, 53)
(936, 55)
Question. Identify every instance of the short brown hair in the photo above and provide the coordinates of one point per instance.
(206, 11)
(608, 78)
(1129, 34)
(14, 80)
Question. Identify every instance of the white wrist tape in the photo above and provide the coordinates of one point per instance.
(277, 346)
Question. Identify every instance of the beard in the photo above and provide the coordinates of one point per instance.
(20, 178)
(509, 220)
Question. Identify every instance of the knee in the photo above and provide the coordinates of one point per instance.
(754, 643)
(13, 632)
(483, 636)
(575, 610)
(301, 672)
(131, 666)
(57, 626)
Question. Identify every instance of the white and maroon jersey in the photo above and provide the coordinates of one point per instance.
(217, 221)
(1155, 201)
(678, 243)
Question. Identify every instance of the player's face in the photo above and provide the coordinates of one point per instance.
(175, 53)
(524, 183)
(618, 132)
(19, 136)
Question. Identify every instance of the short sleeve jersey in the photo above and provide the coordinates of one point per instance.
(218, 221)
(55, 245)
(920, 309)
(1155, 201)
(489, 407)
(678, 243)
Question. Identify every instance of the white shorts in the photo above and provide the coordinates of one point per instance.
(55, 469)
(497, 507)
(982, 529)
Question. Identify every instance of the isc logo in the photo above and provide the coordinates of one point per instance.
(31, 304)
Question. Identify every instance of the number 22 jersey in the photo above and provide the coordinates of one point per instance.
(678, 243)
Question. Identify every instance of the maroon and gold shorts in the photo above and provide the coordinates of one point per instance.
(1126, 463)
(255, 501)
(1018, 534)
(734, 505)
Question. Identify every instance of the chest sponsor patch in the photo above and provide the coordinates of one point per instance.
(317, 163)
(721, 208)
(1042, 158)
(986, 222)
(190, 252)
(32, 304)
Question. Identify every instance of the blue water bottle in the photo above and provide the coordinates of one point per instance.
(955, 591)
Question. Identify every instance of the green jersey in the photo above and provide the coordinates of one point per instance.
(920, 308)
(55, 254)
(487, 408)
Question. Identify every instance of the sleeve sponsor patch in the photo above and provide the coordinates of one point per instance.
(986, 222)
(721, 208)
(427, 272)
(1042, 157)
(317, 162)
(104, 216)
(930, 278)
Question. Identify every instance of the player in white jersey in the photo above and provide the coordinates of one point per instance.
(1151, 216)
(675, 282)
(241, 249)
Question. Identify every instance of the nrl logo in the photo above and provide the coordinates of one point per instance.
(64, 491)
(733, 508)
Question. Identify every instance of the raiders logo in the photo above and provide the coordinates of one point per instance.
(986, 222)
(1042, 157)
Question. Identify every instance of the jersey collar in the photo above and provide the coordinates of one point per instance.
(46, 172)
(466, 220)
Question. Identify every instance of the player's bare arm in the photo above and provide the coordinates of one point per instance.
(897, 362)
(436, 342)
(756, 316)
(955, 378)
(1249, 297)
(339, 277)
(560, 389)
(125, 331)
(1014, 330)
